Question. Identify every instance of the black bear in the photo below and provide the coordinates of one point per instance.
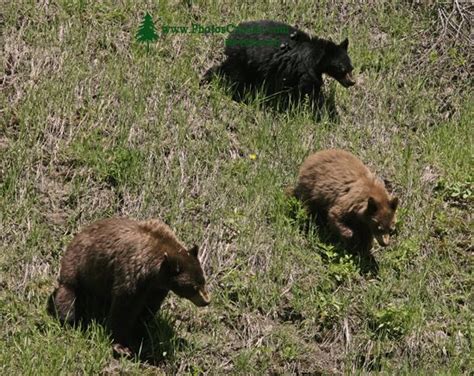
(125, 269)
(285, 63)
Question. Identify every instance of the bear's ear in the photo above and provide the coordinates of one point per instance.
(394, 203)
(344, 44)
(194, 250)
(371, 206)
(171, 263)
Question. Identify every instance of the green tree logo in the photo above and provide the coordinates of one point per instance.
(147, 31)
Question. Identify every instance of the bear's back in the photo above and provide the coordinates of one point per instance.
(163, 238)
(112, 247)
(263, 39)
(330, 174)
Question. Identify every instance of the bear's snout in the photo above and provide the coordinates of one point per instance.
(383, 239)
(201, 299)
(348, 80)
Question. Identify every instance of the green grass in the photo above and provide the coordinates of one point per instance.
(92, 126)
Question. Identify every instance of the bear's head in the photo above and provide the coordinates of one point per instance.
(337, 64)
(380, 216)
(186, 277)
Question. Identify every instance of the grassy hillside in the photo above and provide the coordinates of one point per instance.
(92, 126)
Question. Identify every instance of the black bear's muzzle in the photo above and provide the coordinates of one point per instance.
(347, 81)
(201, 299)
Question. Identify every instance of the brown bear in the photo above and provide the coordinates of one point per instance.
(340, 189)
(128, 267)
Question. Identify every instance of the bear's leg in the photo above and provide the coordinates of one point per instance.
(317, 100)
(123, 315)
(235, 72)
(313, 90)
(152, 304)
(63, 304)
(365, 240)
(336, 223)
(233, 69)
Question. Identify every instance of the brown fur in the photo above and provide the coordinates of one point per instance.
(129, 267)
(338, 187)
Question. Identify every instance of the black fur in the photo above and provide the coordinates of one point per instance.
(283, 62)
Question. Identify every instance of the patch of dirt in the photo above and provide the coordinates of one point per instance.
(4, 143)
(53, 196)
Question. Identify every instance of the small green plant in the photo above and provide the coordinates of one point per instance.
(404, 253)
(457, 192)
(341, 264)
(330, 309)
(297, 214)
(390, 322)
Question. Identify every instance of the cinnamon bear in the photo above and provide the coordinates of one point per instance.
(127, 268)
(336, 186)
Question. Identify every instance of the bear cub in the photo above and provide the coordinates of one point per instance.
(340, 189)
(284, 62)
(128, 267)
